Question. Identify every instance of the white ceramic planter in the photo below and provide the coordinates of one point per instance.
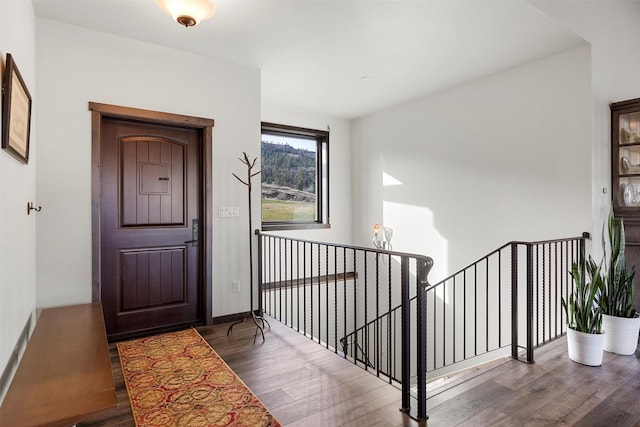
(621, 334)
(585, 348)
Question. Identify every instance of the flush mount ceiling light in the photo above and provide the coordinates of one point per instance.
(188, 12)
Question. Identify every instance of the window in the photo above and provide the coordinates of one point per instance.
(295, 177)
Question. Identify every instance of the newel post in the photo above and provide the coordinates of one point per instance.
(260, 276)
(515, 260)
(514, 300)
(405, 320)
(423, 268)
(529, 303)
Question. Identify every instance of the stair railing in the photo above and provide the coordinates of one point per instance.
(507, 302)
(377, 309)
(325, 291)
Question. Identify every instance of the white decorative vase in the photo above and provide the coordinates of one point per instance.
(621, 334)
(585, 348)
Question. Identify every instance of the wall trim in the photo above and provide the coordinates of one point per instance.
(16, 355)
(232, 317)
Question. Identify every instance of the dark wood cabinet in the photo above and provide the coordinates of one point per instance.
(625, 177)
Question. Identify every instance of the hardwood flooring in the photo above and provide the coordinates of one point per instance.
(304, 384)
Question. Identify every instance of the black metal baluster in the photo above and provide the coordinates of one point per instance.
(546, 291)
(394, 327)
(453, 314)
(552, 264)
(389, 306)
(535, 282)
(344, 311)
(558, 314)
(335, 298)
(499, 299)
(298, 286)
(563, 268)
(280, 279)
(326, 293)
(291, 278)
(355, 285)
(486, 308)
(366, 335)
(365, 285)
(285, 284)
(464, 314)
(378, 331)
(546, 268)
(444, 322)
(355, 325)
(577, 257)
(274, 281)
(260, 273)
(271, 289)
(304, 287)
(267, 263)
(319, 294)
(530, 289)
(475, 308)
(435, 329)
(272, 278)
(311, 291)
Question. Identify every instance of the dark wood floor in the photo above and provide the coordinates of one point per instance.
(304, 384)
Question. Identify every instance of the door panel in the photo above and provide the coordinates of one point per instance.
(152, 176)
(151, 278)
(150, 205)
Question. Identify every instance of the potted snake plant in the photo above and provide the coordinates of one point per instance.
(620, 320)
(585, 338)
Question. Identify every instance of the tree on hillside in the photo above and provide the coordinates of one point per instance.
(287, 166)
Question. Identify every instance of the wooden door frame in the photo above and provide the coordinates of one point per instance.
(100, 111)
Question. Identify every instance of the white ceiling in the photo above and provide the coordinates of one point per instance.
(313, 54)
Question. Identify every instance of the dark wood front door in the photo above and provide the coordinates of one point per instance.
(150, 217)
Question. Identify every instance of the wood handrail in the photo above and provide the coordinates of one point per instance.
(313, 280)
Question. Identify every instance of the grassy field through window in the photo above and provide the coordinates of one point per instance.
(283, 210)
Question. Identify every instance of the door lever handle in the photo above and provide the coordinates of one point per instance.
(194, 233)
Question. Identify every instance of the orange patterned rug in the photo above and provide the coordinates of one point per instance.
(176, 379)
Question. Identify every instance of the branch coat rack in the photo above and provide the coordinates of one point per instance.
(259, 321)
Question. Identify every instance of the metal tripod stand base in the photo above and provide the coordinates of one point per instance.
(256, 320)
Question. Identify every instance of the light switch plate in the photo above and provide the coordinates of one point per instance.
(228, 212)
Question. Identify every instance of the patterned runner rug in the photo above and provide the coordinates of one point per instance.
(176, 379)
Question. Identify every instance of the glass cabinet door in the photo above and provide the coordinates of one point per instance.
(625, 157)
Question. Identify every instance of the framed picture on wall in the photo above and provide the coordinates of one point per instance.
(16, 112)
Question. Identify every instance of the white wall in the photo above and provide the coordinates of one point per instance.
(17, 187)
(462, 172)
(612, 30)
(75, 66)
(339, 170)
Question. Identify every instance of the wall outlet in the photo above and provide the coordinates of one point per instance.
(235, 286)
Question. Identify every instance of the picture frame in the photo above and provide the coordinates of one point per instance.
(16, 112)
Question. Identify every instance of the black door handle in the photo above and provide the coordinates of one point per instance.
(194, 233)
